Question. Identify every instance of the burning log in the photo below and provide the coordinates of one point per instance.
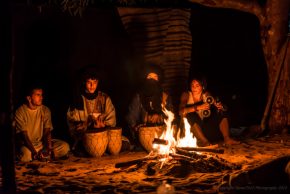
(181, 157)
(189, 154)
(133, 162)
(202, 149)
(128, 163)
(206, 163)
(160, 141)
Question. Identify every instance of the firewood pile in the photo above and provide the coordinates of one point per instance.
(179, 164)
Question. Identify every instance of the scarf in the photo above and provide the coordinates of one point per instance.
(151, 96)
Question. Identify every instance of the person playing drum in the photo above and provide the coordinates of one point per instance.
(92, 109)
(146, 106)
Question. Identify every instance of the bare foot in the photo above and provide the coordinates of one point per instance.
(230, 141)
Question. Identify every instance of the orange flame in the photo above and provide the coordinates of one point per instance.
(187, 141)
(167, 135)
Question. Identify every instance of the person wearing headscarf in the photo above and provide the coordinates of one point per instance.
(146, 107)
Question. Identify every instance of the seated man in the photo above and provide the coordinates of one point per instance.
(33, 126)
(209, 122)
(146, 106)
(92, 110)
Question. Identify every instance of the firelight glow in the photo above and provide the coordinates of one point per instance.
(187, 141)
(167, 135)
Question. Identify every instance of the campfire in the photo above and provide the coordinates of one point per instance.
(187, 168)
(181, 155)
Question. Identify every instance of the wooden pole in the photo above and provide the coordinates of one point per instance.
(273, 90)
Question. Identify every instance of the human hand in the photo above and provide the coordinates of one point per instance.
(155, 118)
(34, 155)
(95, 116)
(219, 105)
(80, 126)
(99, 122)
(44, 154)
(204, 106)
(47, 154)
(137, 127)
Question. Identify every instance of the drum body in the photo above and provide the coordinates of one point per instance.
(115, 140)
(95, 142)
(147, 135)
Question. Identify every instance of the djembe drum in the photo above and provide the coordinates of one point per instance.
(115, 140)
(147, 135)
(95, 142)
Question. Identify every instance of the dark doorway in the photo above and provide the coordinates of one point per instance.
(226, 48)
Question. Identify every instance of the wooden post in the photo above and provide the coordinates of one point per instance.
(273, 90)
(6, 132)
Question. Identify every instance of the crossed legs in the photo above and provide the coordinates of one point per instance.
(224, 129)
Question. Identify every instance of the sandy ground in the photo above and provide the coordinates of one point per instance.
(99, 175)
